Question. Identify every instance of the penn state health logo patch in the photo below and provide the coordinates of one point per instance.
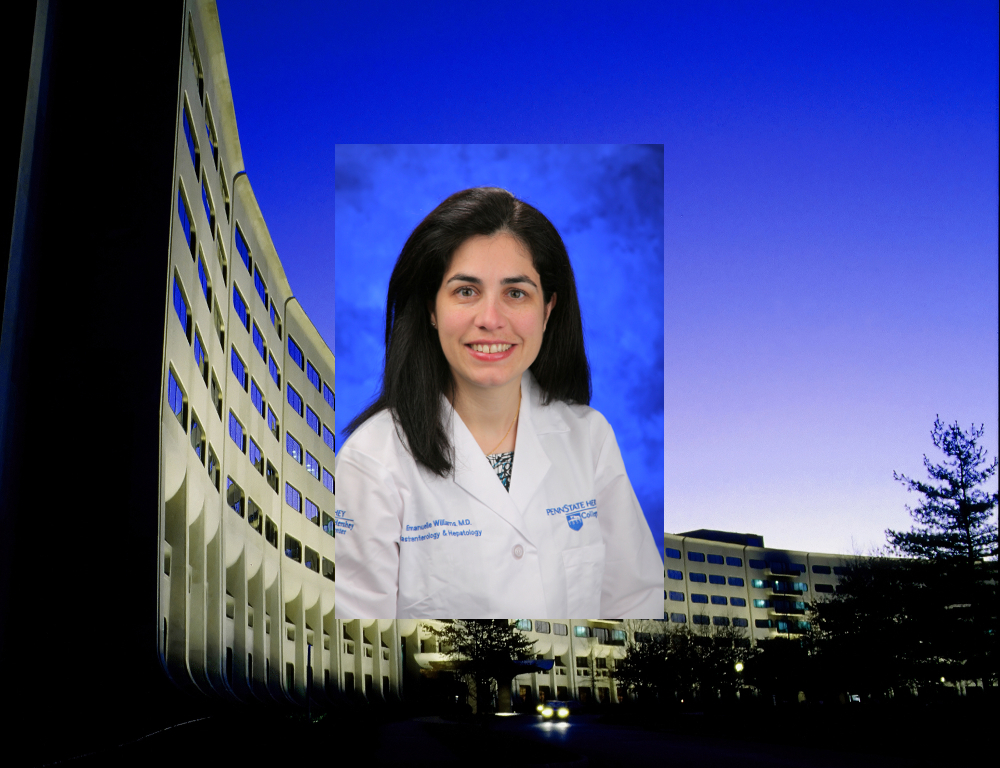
(575, 520)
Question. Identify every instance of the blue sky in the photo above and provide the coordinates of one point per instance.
(830, 194)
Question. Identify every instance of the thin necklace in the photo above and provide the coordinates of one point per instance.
(511, 424)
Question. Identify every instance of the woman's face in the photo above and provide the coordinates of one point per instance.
(490, 312)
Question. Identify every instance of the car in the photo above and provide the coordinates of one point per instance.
(556, 710)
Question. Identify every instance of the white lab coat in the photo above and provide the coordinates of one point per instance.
(568, 540)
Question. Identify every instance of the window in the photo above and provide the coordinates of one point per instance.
(760, 584)
(715, 559)
(275, 320)
(839, 570)
(258, 283)
(239, 368)
(255, 516)
(203, 278)
(271, 532)
(758, 564)
(760, 603)
(240, 308)
(678, 618)
(294, 399)
(330, 398)
(236, 432)
(720, 621)
(181, 307)
(312, 465)
(738, 601)
(197, 437)
(313, 375)
(762, 623)
(189, 135)
(293, 548)
(292, 497)
(699, 578)
(823, 587)
(242, 248)
(234, 496)
(216, 395)
(312, 560)
(672, 553)
(740, 623)
(579, 631)
(677, 575)
(778, 567)
(796, 568)
(329, 525)
(677, 597)
(213, 467)
(295, 353)
(206, 200)
(213, 142)
(328, 481)
(329, 571)
(523, 624)
(312, 512)
(804, 626)
(273, 425)
(696, 557)
(293, 447)
(199, 356)
(542, 627)
(824, 569)
(718, 600)
(176, 399)
(312, 420)
(257, 397)
(560, 629)
(256, 456)
(275, 371)
(714, 579)
(736, 581)
(271, 475)
(696, 598)
(736, 562)
(699, 618)
(329, 439)
(220, 325)
(258, 342)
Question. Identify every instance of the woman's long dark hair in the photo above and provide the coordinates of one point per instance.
(416, 371)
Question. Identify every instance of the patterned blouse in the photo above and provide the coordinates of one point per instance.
(502, 464)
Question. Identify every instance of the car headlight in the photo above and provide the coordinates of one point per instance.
(563, 712)
(547, 712)
(540, 707)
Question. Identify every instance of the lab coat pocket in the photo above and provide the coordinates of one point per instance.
(584, 568)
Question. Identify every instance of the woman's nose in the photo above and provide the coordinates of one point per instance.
(490, 315)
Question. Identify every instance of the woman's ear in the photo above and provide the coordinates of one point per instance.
(430, 309)
(548, 311)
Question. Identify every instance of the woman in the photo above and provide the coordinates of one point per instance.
(479, 483)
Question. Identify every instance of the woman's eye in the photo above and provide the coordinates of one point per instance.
(466, 292)
(517, 293)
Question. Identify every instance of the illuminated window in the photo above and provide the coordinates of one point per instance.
(328, 481)
(312, 465)
(242, 248)
(295, 353)
(258, 342)
(292, 497)
(312, 420)
(258, 283)
(329, 439)
(240, 308)
(176, 399)
(330, 398)
(237, 432)
(239, 368)
(294, 399)
(293, 447)
(672, 553)
(181, 307)
(313, 375)
(272, 366)
(312, 512)
(199, 356)
(257, 397)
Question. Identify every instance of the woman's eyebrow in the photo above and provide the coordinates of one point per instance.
(518, 279)
(460, 278)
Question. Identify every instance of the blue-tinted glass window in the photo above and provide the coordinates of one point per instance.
(800, 586)
(295, 353)
(672, 553)
(718, 600)
(579, 631)
(185, 217)
(760, 583)
(258, 283)
(189, 135)
(293, 447)
(804, 626)
(175, 397)
(825, 569)
(715, 559)
(698, 577)
(672, 574)
(236, 432)
(328, 481)
(294, 399)
(778, 567)
(762, 623)
(696, 598)
(736, 581)
(293, 498)
(736, 562)
(239, 367)
(677, 596)
(759, 564)
(720, 621)
(275, 372)
(793, 567)
(272, 424)
(696, 557)
(199, 353)
(740, 623)
(203, 279)
(209, 213)
(274, 317)
(330, 398)
(312, 512)
(738, 601)
(240, 308)
(312, 465)
(181, 307)
(782, 625)
(234, 496)
(313, 375)
(329, 524)
(714, 579)
(312, 420)
(759, 603)
(700, 618)
(678, 618)
(258, 342)
(256, 397)
(329, 439)
(256, 456)
(243, 248)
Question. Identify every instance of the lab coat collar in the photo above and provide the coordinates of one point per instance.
(474, 473)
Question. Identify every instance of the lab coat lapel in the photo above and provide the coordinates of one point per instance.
(531, 464)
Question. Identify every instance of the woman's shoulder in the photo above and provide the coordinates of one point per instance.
(377, 438)
(577, 417)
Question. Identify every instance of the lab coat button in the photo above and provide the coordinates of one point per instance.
(518, 552)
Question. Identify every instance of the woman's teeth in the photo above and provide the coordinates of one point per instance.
(491, 348)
